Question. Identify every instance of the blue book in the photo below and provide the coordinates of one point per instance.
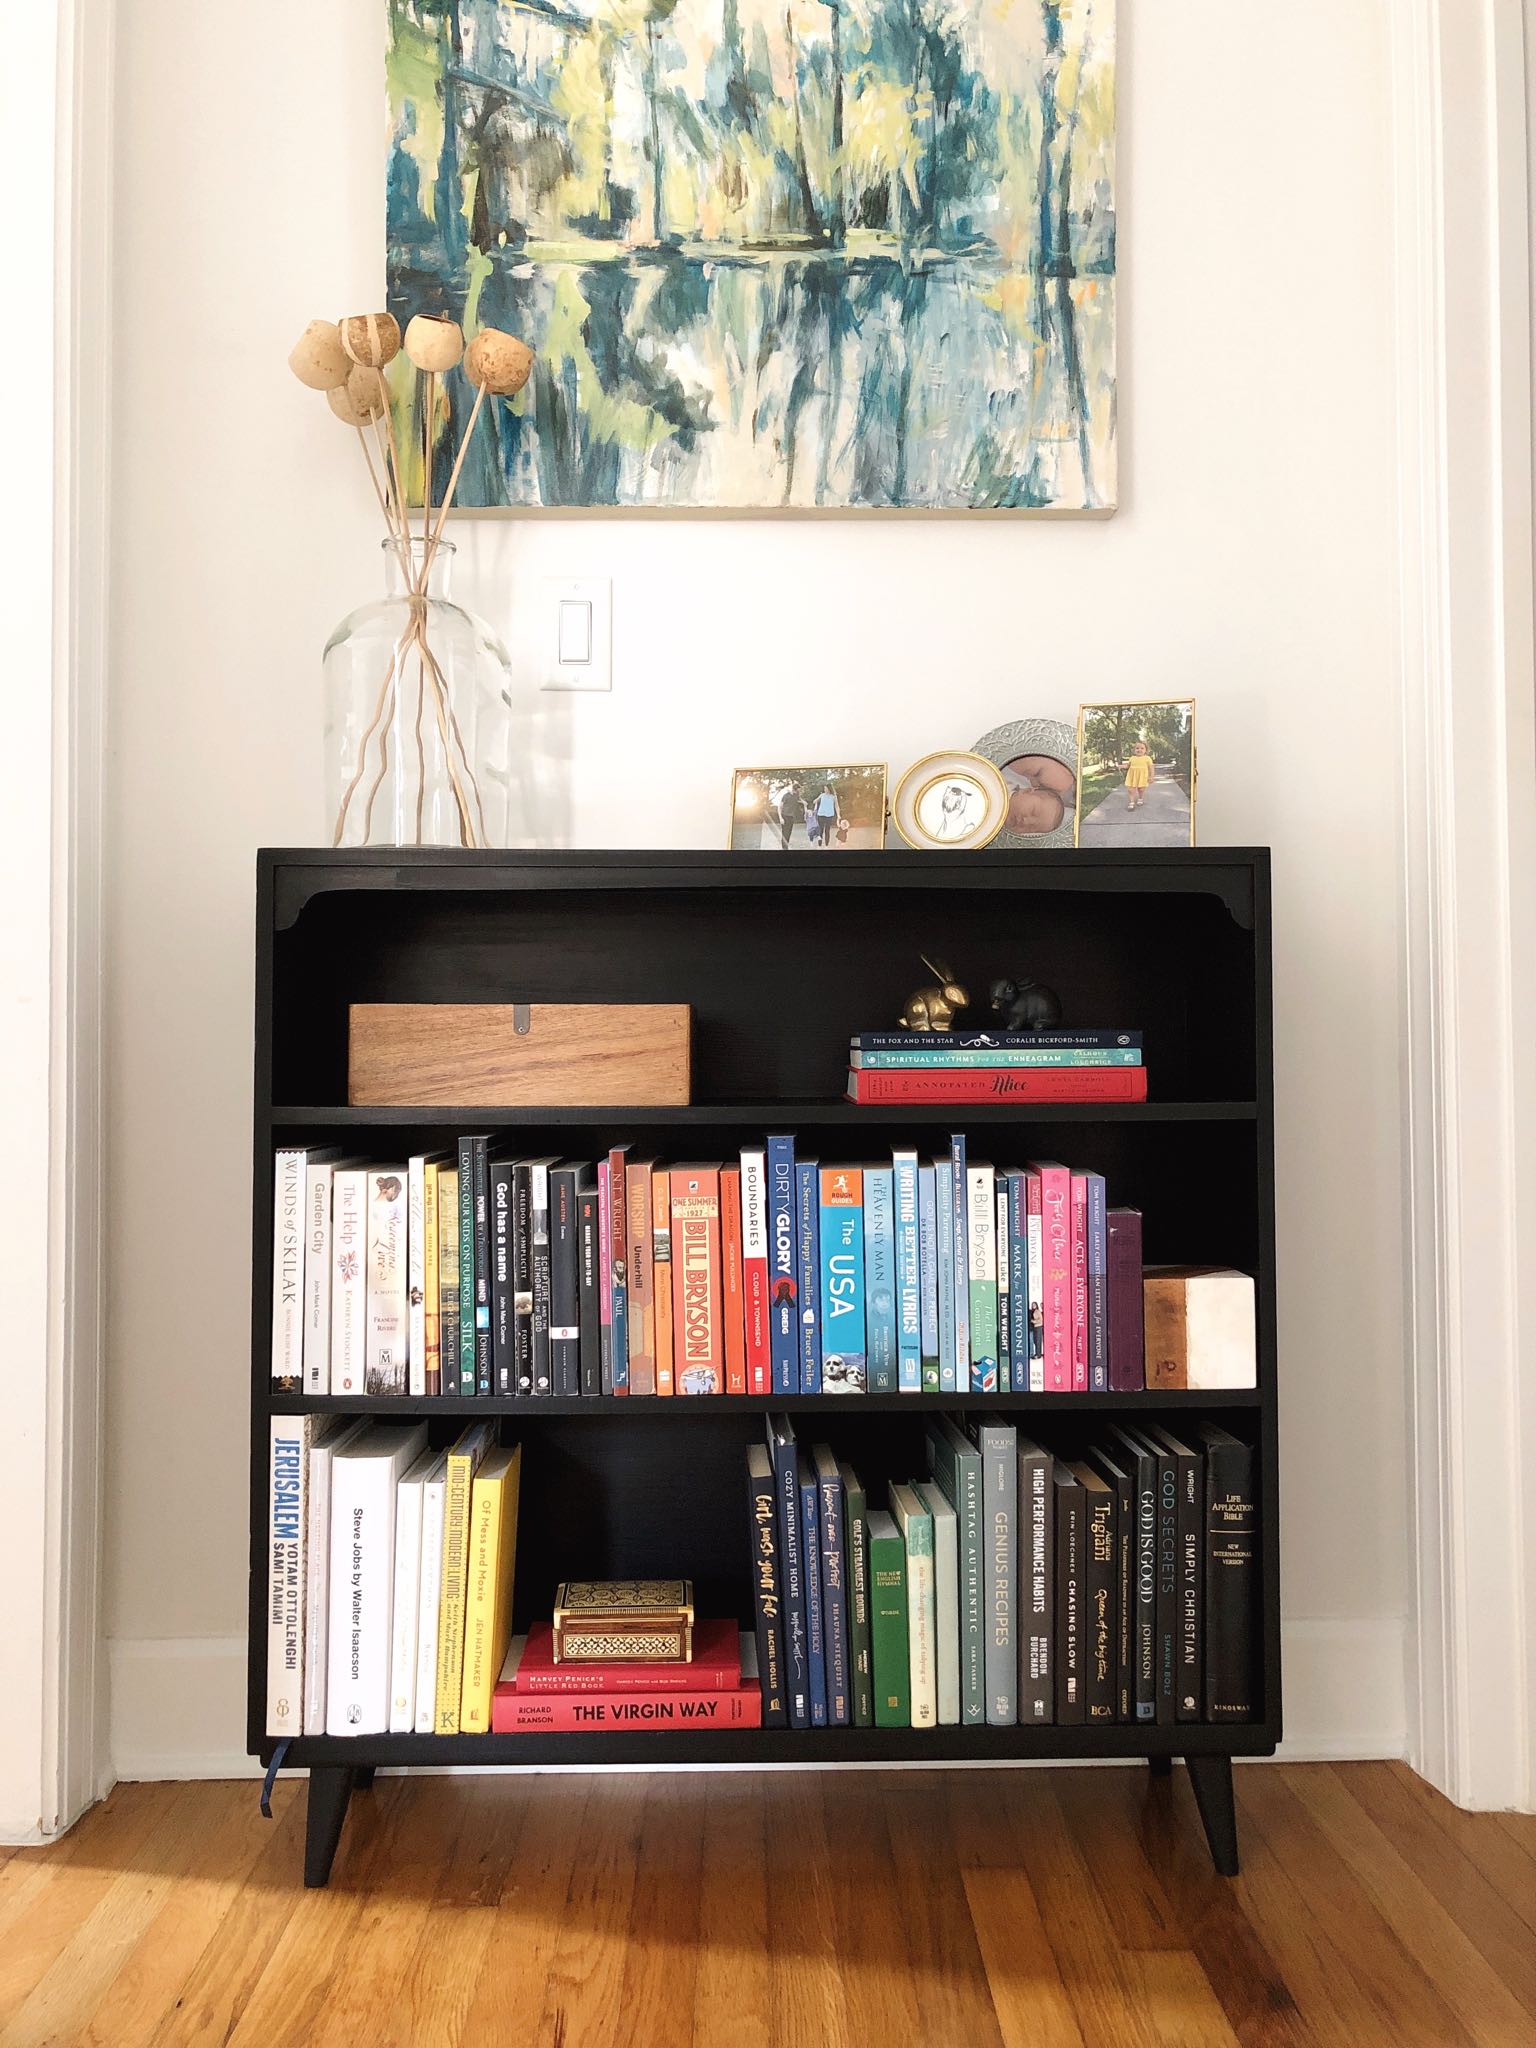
(1029, 1041)
(944, 1240)
(959, 1195)
(879, 1280)
(783, 1268)
(786, 1489)
(1098, 1286)
(808, 1249)
(928, 1279)
(810, 1554)
(843, 1347)
(909, 1288)
(834, 1586)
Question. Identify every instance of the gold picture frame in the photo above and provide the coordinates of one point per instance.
(952, 768)
(751, 827)
(1102, 762)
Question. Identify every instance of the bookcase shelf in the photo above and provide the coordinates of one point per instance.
(781, 958)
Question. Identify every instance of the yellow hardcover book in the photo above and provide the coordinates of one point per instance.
(463, 1462)
(492, 1562)
(429, 1284)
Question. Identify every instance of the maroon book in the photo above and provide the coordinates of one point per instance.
(714, 1667)
(1127, 1348)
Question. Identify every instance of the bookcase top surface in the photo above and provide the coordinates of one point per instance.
(905, 864)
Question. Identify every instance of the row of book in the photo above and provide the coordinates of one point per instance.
(1003, 1066)
(390, 1577)
(1112, 1580)
(487, 1275)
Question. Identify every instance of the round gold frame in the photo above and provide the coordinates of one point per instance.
(957, 763)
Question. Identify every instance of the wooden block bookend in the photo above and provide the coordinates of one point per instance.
(521, 1055)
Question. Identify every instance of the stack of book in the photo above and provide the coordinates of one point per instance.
(1111, 1579)
(716, 1688)
(996, 1066)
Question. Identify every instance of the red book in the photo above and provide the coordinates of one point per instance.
(1079, 1283)
(999, 1084)
(1056, 1262)
(734, 1310)
(589, 1713)
(715, 1667)
(754, 1270)
(698, 1298)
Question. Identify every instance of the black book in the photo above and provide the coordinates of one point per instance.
(501, 1275)
(1100, 1621)
(782, 1451)
(1231, 1575)
(522, 1276)
(1071, 1690)
(1189, 1531)
(1037, 1584)
(565, 1192)
(586, 1284)
(1141, 1464)
(767, 1597)
(1124, 1490)
(482, 1266)
(539, 1256)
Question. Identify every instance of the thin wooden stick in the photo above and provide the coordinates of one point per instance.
(426, 457)
(474, 783)
(421, 757)
(378, 492)
(383, 763)
(362, 752)
(453, 483)
(466, 830)
(388, 416)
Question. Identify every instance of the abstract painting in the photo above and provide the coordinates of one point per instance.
(770, 253)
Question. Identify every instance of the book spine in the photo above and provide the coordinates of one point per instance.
(960, 1243)
(998, 1445)
(733, 1293)
(797, 1669)
(891, 1648)
(928, 1280)
(808, 1252)
(860, 1655)
(539, 1262)
(1049, 1057)
(515, 1713)
(565, 1282)
(661, 1283)
(318, 1265)
(843, 1362)
(834, 1597)
(466, 1169)
(605, 1274)
(946, 1603)
(1020, 1327)
(909, 1281)
(697, 1290)
(784, 1286)
(1188, 1690)
(1056, 1248)
(642, 1280)
(1004, 1288)
(1167, 1585)
(288, 1270)
(1144, 1479)
(492, 1508)
(1001, 1084)
(1037, 1586)
(1231, 1569)
(1127, 1358)
(643, 1678)
(482, 1382)
(815, 1619)
(619, 1284)
(588, 1227)
(385, 1364)
(317, 1587)
(981, 1276)
(431, 1576)
(349, 1284)
(521, 1257)
(971, 1572)
(939, 1042)
(1099, 1647)
(407, 1608)
(767, 1597)
(922, 1623)
(416, 1274)
(288, 1477)
(449, 1683)
(1034, 1249)
(880, 1327)
(503, 1179)
(1098, 1286)
(944, 1241)
(754, 1270)
(431, 1282)
(448, 1278)
(1079, 1227)
(1070, 1704)
(362, 1595)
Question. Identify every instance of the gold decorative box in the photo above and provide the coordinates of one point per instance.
(624, 1621)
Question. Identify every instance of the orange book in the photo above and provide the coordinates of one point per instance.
(642, 1293)
(661, 1257)
(697, 1298)
(730, 1261)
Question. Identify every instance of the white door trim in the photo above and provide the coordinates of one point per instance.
(1469, 850)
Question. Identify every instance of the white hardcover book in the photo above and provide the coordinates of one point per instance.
(327, 1437)
(365, 1475)
(946, 1599)
(402, 1661)
(287, 1475)
(434, 1499)
(1034, 1261)
(288, 1269)
(349, 1287)
(754, 1206)
(916, 1525)
(416, 1274)
(317, 1276)
(387, 1312)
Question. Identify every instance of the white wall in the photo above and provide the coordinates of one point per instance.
(1252, 563)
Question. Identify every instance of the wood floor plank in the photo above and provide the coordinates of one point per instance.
(1484, 1839)
(732, 1996)
(1186, 2013)
(1023, 1978)
(661, 1960)
(807, 2007)
(512, 1988)
(879, 1990)
(586, 1972)
(933, 1924)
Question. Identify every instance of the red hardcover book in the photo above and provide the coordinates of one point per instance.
(698, 1304)
(1079, 1283)
(754, 1270)
(1000, 1084)
(714, 1667)
(588, 1713)
(734, 1298)
(1056, 1261)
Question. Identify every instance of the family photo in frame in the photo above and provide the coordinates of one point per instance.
(1136, 774)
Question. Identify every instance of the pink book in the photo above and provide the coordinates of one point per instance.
(1079, 1283)
(605, 1271)
(1056, 1274)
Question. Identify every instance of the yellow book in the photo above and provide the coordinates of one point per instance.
(492, 1562)
(463, 1461)
(429, 1279)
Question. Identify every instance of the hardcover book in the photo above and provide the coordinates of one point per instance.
(539, 1261)
(843, 1362)
(466, 1174)
(834, 1586)
(386, 1312)
(880, 1336)
(327, 1435)
(567, 1185)
(997, 1441)
(697, 1295)
(811, 1569)
(1127, 1359)
(447, 1278)
(503, 1175)
(808, 1253)
(288, 1270)
(909, 1277)
(928, 1277)
(937, 1043)
(861, 1655)
(287, 1481)
(1056, 1274)
(981, 1275)
(1079, 1248)
(754, 1270)
(945, 1600)
(1189, 1597)
(783, 1268)
(992, 1056)
(605, 1274)
(318, 1265)
(955, 1463)
(433, 1495)
(890, 1644)
(488, 1592)
(733, 1309)
(482, 1382)
(786, 1482)
(944, 1276)
(1004, 1287)
(767, 1589)
(960, 1251)
(1121, 1485)
(1099, 1619)
(714, 1667)
(516, 1711)
(431, 1271)
(661, 1281)
(1231, 1575)
(916, 1525)
(589, 1254)
(1037, 1583)
(465, 1457)
(1071, 1697)
(642, 1276)
(1000, 1084)
(407, 1595)
(365, 1473)
(521, 1266)
(1135, 1454)
(349, 1279)
(618, 1225)
(1098, 1285)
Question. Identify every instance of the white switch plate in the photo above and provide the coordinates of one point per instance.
(595, 673)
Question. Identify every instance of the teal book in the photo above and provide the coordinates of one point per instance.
(879, 1280)
(909, 1280)
(889, 1646)
(842, 1280)
(955, 1464)
(916, 1525)
(993, 1055)
(981, 1249)
(860, 1655)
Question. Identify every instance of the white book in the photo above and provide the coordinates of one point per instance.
(327, 1438)
(365, 1475)
(402, 1660)
(416, 1274)
(916, 1525)
(349, 1230)
(1034, 1259)
(434, 1500)
(317, 1276)
(287, 1475)
(754, 1206)
(386, 1368)
(288, 1269)
(946, 1599)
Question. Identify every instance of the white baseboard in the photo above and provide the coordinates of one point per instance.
(178, 1706)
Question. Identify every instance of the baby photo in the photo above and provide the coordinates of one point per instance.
(1136, 774)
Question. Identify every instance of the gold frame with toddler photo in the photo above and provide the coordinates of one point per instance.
(1136, 774)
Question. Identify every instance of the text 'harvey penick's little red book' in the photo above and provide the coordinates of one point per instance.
(999, 1084)
(714, 1667)
(514, 1711)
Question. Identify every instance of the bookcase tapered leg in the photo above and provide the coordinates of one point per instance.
(330, 1787)
(362, 1777)
(1211, 1777)
(1160, 1766)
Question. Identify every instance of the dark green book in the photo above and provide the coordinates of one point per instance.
(888, 1621)
(856, 1516)
(466, 1384)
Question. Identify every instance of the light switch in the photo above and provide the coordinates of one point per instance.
(575, 630)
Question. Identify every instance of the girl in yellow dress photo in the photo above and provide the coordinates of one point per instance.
(1136, 774)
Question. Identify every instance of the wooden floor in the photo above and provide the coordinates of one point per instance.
(968, 1909)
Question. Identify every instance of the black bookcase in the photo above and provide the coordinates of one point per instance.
(782, 957)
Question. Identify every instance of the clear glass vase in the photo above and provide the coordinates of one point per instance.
(417, 716)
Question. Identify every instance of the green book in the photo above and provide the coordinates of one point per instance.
(955, 1463)
(916, 1525)
(888, 1620)
(856, 1517)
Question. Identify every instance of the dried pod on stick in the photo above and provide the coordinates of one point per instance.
(433, 342)
(372, 339)
(318, 359)
(499, 363)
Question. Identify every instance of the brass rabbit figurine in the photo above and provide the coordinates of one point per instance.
(933, 1008)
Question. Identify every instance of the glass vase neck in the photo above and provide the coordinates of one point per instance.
(439, 575)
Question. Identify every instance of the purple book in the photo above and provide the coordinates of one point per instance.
(1127, 1349)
